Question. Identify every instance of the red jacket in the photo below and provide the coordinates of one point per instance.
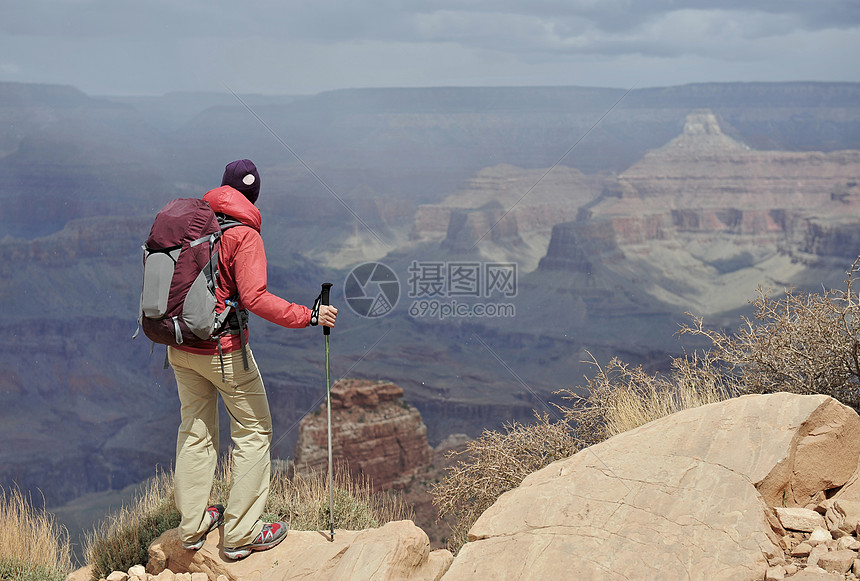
(242, 270)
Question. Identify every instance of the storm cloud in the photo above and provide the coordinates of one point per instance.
(116, 47)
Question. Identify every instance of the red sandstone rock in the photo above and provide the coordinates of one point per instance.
(374, 432)
(348, 393)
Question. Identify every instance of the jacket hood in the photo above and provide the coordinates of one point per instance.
(232, 202)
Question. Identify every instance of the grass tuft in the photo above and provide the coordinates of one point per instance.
(122, 540)
(620, 398)
(495, 463)
(32, 546)
(303, 500)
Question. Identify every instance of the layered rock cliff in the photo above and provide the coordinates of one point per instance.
(704, 219)
(509, 211)
(374, 432)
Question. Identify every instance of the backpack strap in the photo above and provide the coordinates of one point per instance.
(243, 324)
(232, 320)
(237, 324)
(226, 222)
(239, 321)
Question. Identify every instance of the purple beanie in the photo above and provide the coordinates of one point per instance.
(242, 175)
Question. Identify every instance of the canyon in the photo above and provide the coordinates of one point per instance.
(684, 199)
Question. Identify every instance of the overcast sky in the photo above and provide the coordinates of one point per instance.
(151, 47)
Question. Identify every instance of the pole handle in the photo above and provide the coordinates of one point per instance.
(324, 300)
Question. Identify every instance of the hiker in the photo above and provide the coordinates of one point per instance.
(220, 367)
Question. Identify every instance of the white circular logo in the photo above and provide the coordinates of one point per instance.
(248, 179)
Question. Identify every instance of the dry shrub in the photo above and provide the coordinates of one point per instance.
(495, 463)
(620, 398)
(805, 343)
(121, 540)
(303, 500)
(32, 546)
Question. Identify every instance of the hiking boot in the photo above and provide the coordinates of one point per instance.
(271, 535)
(215, 514)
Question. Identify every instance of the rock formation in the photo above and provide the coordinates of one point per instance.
(467, 226)
(374, 432)
(508, 210)
(698, 219)
(689, 496)
(705, 169)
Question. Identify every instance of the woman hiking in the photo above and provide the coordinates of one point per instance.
(223, 367)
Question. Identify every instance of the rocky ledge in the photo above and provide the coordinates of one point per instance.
(688, 496)
(398, 550)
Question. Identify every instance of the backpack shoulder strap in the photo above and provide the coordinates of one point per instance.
(232, 319)
(226, 222)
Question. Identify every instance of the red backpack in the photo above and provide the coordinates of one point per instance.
(180, 274)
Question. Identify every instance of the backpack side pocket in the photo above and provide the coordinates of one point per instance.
(158, 268)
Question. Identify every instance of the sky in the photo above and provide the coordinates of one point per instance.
(153, 47)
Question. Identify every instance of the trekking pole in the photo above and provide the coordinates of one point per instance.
(324, 299)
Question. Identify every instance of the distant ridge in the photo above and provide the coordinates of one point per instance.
(30, 94)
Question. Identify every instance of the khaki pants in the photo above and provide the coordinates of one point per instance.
(198, 380)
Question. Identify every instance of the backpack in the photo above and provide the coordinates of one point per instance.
(180, 275)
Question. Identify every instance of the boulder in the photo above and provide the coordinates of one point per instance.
(817, 574)
(837, 561)
(848, 542)
(799, 519)
(843, 514)
(775, 574)
(815, 554)
(397, 550)
(688, 496)
(801, 550)
(819, 536)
